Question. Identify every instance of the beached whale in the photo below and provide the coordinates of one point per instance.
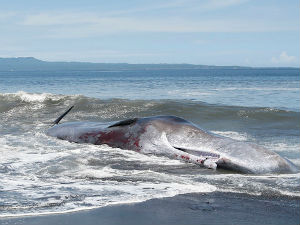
(176, 138)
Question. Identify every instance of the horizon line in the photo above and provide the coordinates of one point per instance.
(183, 63)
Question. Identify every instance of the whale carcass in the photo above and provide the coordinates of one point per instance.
(175, 137)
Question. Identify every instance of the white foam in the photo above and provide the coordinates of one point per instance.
(284, 147)
(232, 134)
(32, 97)
(41, 167)
(37, 97)
(163, 190)
(44, 171)
(257, 89)
(128, 193)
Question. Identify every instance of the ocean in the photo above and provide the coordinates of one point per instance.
(43, 175)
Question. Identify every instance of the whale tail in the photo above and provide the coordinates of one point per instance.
(63, 115)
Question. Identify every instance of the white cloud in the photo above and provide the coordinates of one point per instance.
(247, 61)
(83, 24)
(6, 15)
(201, 41)
(218, 4)
(165, 5)
(283, 58)
(48, 19)
(181, 16)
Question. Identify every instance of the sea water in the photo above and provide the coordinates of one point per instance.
(41, 174)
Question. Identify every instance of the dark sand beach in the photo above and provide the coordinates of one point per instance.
(208, 208)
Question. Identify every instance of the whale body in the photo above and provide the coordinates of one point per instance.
(175, 137)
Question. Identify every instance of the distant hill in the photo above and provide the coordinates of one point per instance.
(33, 64)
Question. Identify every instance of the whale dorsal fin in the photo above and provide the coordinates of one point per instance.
(124, 123)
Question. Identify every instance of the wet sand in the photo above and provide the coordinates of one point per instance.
(188, 209)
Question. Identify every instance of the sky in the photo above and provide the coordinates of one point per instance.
(209, 32)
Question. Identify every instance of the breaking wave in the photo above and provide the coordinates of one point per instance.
(122, 108)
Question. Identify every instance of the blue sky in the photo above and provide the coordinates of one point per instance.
(213, 32)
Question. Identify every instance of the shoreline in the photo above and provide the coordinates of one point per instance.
(193, 208)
